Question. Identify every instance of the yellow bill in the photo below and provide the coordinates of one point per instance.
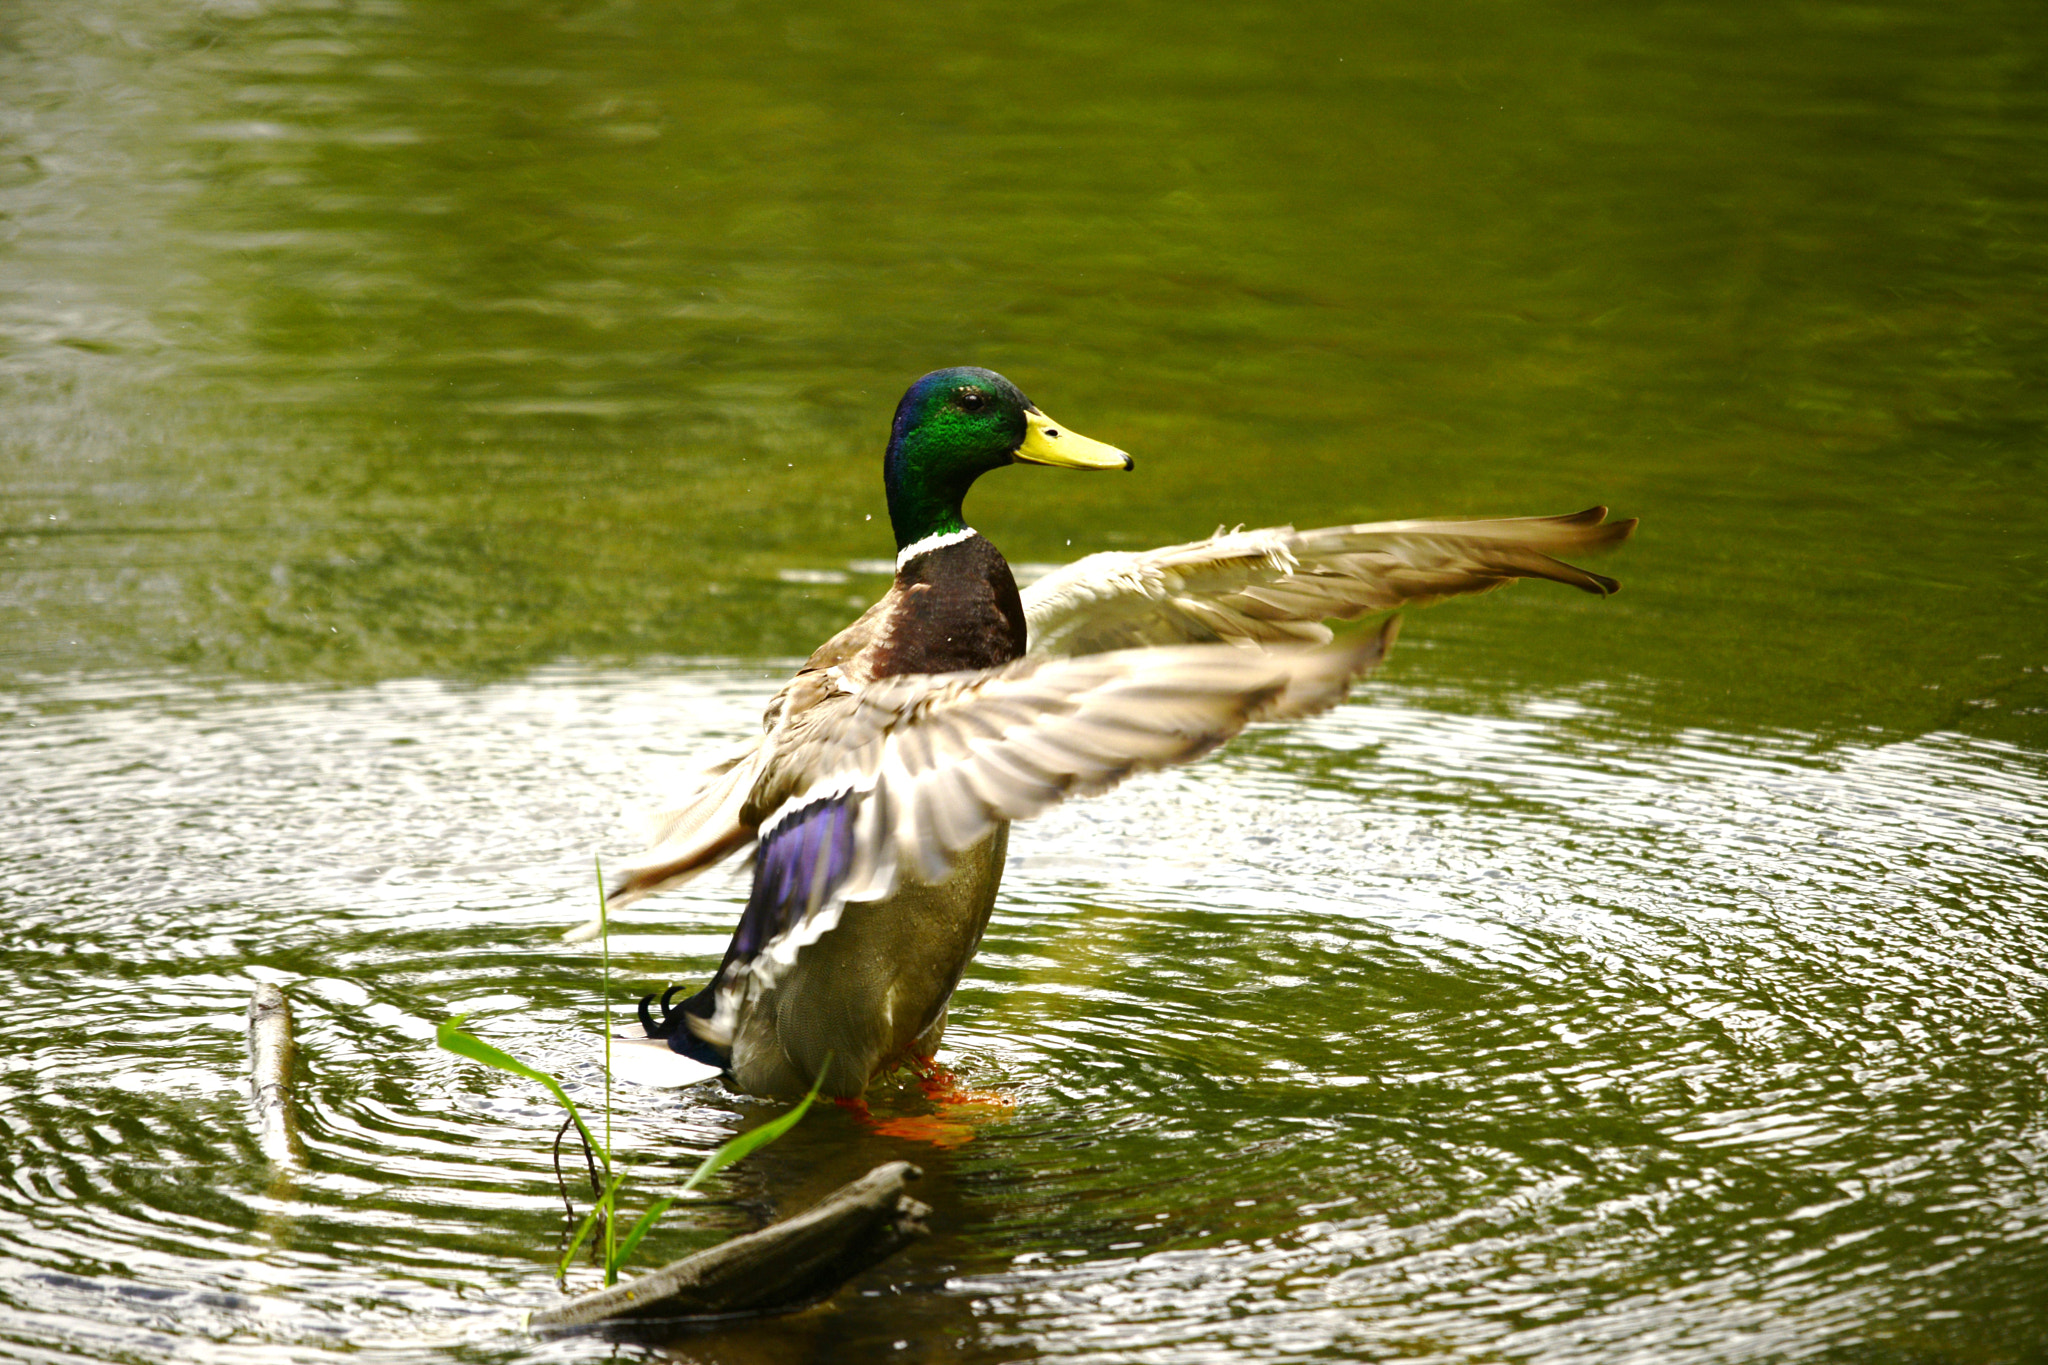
(1046, 442)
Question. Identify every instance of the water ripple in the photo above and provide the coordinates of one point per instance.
(1409, 1031)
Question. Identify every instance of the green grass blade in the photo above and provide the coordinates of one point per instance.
(750, 1142)
(602, 1206)
(576, 1242)
(452, 1039)
(725, 1155)
(612, 1256)
(640, 1228)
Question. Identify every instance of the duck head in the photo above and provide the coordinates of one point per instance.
(952, 427)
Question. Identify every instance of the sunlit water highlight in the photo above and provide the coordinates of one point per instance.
(1425, 1029)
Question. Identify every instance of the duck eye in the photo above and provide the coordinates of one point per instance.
(972, 401)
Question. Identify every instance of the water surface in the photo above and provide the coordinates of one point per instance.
(427, 427)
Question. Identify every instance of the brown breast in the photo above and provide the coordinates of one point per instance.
(955, 608)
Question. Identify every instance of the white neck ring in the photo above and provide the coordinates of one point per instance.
(938, 541)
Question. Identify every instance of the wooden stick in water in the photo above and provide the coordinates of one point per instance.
(270, 1076)
(785, 1265)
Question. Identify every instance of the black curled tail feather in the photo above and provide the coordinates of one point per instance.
(798, 866)
(673, 1027)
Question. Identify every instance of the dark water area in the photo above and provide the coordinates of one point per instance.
(425, 428)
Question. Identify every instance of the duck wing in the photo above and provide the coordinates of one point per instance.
(907, 771)
(706, 827)
(902, 773)
(701, 832)
(1277, 585)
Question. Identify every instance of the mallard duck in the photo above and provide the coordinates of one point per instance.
(879, 799)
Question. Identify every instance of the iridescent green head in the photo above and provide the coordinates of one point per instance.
(952, 427)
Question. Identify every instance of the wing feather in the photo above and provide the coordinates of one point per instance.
(706, 829)
(932, 762)
(1275, 586)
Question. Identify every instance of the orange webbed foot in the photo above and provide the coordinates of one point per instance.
(942, 1087)
(960, 1109)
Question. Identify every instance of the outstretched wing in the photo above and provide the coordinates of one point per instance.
(1278, 585)
(897, 776)
(913, 769)
(854, 785)
(702, 831)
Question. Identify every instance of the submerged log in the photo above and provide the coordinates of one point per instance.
(270, 1077)
(785, 1265)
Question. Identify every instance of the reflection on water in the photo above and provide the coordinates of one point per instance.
(1414, 1030)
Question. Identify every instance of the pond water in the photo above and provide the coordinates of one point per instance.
(427, 428)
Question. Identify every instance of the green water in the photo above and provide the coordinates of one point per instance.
(424, 427)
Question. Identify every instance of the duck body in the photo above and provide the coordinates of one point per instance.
(879, 800)
(871, 994)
